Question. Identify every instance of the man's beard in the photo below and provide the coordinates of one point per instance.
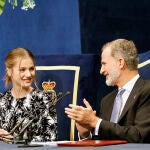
(113, 77)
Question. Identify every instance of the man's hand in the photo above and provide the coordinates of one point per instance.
(83, 131)
(5, 136)
(85, 117)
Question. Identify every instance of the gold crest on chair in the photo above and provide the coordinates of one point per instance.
(48, 87)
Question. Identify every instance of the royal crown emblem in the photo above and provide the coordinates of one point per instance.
(48, 87)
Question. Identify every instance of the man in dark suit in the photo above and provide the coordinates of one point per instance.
(119, 62)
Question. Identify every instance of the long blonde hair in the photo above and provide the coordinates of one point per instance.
(12, 58)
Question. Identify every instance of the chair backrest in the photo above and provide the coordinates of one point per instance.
(144, 64)
(74, 73)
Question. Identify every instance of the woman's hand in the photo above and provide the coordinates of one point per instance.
(5, 136)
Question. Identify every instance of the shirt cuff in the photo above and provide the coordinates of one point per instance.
(87, 138)
(97, 126)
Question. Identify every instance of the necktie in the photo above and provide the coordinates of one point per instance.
(117, 106)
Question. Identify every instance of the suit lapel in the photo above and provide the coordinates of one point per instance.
(133, 96)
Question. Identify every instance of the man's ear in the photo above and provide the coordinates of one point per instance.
(122, 63)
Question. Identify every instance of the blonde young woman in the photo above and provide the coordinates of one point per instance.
(26, 113)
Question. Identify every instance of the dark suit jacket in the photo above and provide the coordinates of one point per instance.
(134, 122)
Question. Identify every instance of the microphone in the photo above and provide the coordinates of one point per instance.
(33, 117)
(25, 127)
(58, 97)
(54, 99)
(19, 123)
(66, 94)
(22, 136)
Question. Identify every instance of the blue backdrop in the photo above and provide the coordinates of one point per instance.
(52, 27)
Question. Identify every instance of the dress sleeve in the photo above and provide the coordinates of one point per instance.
(48, 120)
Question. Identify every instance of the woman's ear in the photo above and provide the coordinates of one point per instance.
(9, 71)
